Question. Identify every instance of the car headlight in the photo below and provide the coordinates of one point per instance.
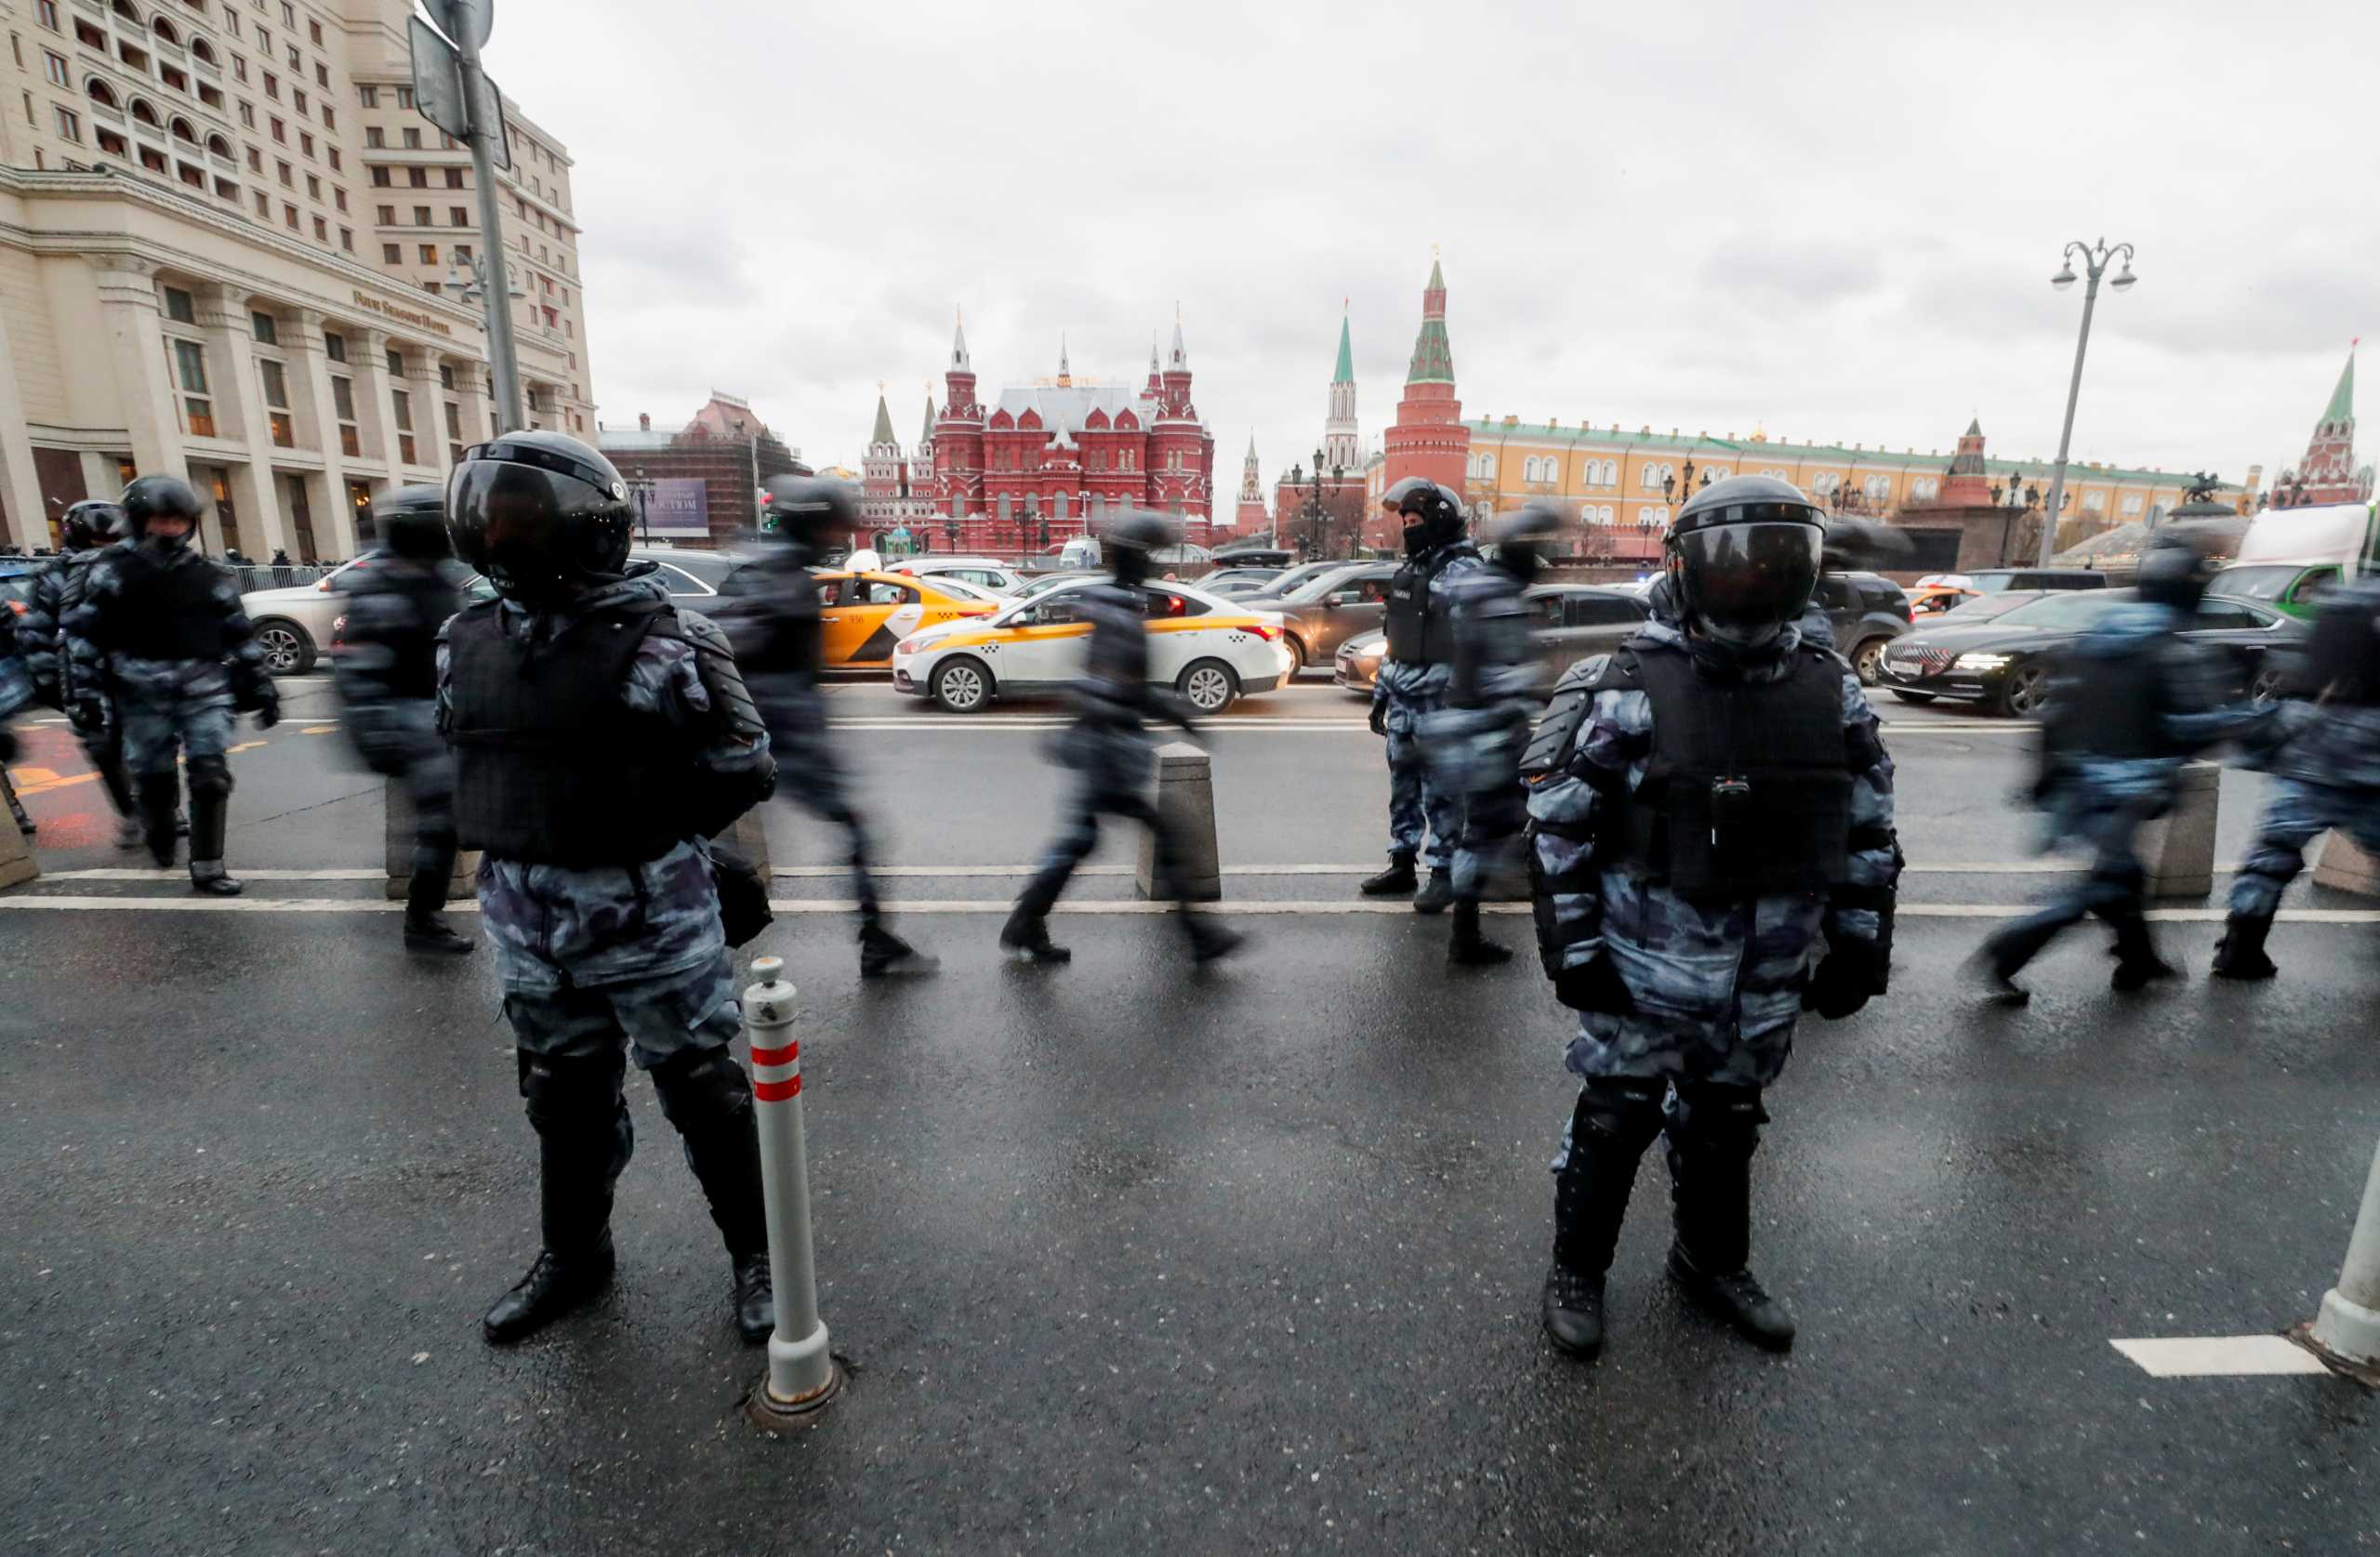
(1981, 662)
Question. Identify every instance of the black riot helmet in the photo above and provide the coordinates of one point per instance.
(540, 514)
(1434, 511)
(1520, 537)
(808, 510)
(90, 524)
(1742, 557)
(2172, 572)
(151, 497)
(1129, 539)
(411, 522)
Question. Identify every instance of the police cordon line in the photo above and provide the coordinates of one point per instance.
(1704, 817)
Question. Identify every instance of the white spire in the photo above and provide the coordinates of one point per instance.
(959, 363)
(1181, 362)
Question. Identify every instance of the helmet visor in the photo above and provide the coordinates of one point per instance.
(533, 532)
(1743, 578)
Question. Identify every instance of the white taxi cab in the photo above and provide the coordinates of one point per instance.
(1209, 649)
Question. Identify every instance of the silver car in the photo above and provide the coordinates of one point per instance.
(294, 625)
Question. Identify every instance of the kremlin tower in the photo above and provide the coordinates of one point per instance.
(1428, 438)
(2327, 474)
(1250, 517)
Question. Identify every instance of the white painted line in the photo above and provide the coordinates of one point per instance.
(992, 872)
(127, 873)
(2211, 1356)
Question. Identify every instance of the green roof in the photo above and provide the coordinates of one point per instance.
(2342, 406)
(1432, 358)
(1437, 277)
(883, 423)
(1744, 449)
(1345, 372)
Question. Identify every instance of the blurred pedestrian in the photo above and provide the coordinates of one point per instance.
(601, 738)
(779, 631)
(1108, 747)
(1713, 853)
(1473, 744)
(2325, 775)
(387, 676)
(281, 559)
(1414, 671)
(160, 642)
(2130, 703)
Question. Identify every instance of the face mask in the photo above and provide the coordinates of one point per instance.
(1416, 538)
(1740, 639)
(164, 545)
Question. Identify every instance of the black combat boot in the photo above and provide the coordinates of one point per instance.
(1397, 878)
(1436, 892)
(1026, 937)
(160, 799)
(2137, 964)
(554, 1287)
(584, 1142)
(706, 1096)
(1589, 1201)
(883, 954)
(1470, 949)
(1710, 1197)
(2241, 953)
(426, 926)
(208, 813)
(1209, 942)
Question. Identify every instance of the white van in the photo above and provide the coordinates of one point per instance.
(2290, 555)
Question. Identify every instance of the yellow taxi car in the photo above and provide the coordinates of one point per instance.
(867, 613)
(1209, 649)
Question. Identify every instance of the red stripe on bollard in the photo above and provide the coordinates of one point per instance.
(777, 1091)
(785, 1056)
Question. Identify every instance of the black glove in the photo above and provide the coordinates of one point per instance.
(1845, 981)
(268, 713)
(1593, 986)
(1379, 718)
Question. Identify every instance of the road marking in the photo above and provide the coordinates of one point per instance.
(960, 724)
(2211, 1356)
(995, 872)
(1304, 907)
(318, 730)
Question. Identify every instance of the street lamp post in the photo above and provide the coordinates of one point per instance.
(2095, 264)
(504, 362)
(1297, 479)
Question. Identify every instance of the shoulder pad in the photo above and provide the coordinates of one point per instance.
(694, 629)
(1574, 699)
(1830, 657)
(1582, 674)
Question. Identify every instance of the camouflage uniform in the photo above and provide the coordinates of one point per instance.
(1402, 696)
(386, 672)
(1474, 741)
(2100, 803)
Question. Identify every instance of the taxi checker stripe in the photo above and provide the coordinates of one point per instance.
(777, 1091)
(785, 1056)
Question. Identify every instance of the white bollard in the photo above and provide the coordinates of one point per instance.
(2344, 867)
(2178, 847)
(802, 1377)
(18, 864)
(397, 844)
(1186, 800)
(2346, 1334)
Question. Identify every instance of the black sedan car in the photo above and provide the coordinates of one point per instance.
(2003, 660)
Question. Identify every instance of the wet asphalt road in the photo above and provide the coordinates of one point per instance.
(1129, 1258)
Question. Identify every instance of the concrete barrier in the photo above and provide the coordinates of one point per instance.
(18, 864)
(1186, 800)
(2178, 847)
(399, 843)
(2344, 867)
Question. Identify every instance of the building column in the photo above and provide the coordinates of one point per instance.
(128, 309)
(375, 408)
(316, 414)
(471, 387)
(27, 517)
(223, 315)
(429, 408)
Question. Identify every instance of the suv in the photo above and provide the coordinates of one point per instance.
(1323, 612)
(1867, 612)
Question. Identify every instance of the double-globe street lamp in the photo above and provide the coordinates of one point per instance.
(2096, 258)
(1313, 512)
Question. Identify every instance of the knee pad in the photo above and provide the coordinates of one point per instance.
(210, 775)
(1625, 1112)
(566, 1091)
(702, 1087)
(1722, 1119)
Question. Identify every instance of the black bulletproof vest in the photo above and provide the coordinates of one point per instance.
(1418, 629)
(429, 600)
(2344, 659)
(1747, 791)
(551, 768)
(169, 612)
(2108, 708)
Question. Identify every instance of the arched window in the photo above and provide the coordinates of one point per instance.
(1877, 488)
(166, 30)
(130, 13)
(1530, 469)
(144, 114)
(1491, 472)
(1649, 478)
(1603, 513)
(182, 131)
(101, 93)
(219, 146)
(203, 49)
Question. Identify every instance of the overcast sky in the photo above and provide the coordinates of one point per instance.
(1836, 219)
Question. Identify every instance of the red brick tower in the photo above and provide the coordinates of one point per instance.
(1969, 484)
(958, 438)
(1251, 515)
(1428, 438)
(1181, 452)
(2327, 474)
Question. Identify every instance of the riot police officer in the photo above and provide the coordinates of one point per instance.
(1412, 682)
(387, 675)
(87, 528)
(2325, 775)
(1712, 854)
(1474, 742)
(159, 641)
(601, 738)
(780, 646)
(2131, 701)
(1108, 747)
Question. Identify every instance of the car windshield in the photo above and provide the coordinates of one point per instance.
(1316, 589)
(960, 587)
(2068, 608)
(2255, 584)
(1983, 608)
(1296, 578)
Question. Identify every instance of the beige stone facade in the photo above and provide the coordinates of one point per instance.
(194, 278)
